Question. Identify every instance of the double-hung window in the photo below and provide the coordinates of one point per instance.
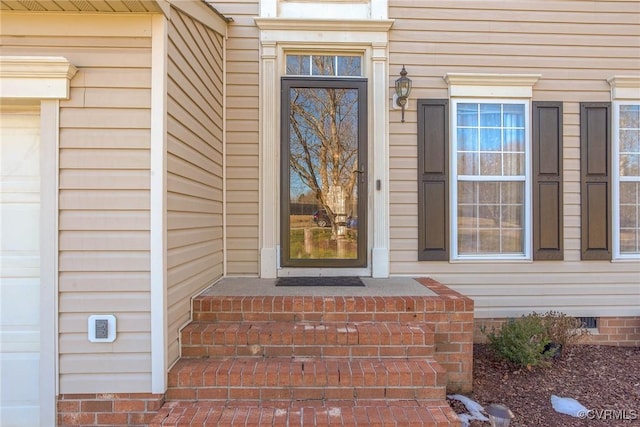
(491, 179)
(626, 172)
(489, 171)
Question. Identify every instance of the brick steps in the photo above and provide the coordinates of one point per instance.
(434, 413)
(287, 379)
(285, 339)
(321, 360)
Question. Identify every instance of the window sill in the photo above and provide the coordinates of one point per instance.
(491, 260)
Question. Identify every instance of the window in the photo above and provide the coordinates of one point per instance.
(626, 170)
(324, 65)
(489, 171)
(491, 195)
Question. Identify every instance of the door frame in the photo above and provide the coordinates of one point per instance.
(361, 85)
(369, 36)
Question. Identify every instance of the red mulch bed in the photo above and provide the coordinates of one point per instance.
(605, 379)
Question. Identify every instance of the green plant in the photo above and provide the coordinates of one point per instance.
(522, 341)
(533, 339)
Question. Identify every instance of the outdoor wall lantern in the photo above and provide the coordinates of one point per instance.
(499, 415)
(403, 89)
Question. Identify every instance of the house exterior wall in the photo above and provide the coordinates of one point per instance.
(575, 47)
(194, 167)
(104, 190)
(242, 139)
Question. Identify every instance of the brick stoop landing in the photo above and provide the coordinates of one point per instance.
(322, 356)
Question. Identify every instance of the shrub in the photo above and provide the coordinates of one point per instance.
(561, 329)
(532, 340)
(522, 341)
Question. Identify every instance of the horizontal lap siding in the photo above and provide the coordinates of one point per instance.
(194, 167)
(242, 148)
(575, 46)
(104, 191)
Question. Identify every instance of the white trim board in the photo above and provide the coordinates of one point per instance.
(158, 252)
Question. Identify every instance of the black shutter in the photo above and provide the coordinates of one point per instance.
(547, 181)
(595, 175)
(433, 179)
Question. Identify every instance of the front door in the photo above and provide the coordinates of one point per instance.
(324, 175)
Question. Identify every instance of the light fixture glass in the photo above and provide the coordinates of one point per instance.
(499, 415)
(403, 89)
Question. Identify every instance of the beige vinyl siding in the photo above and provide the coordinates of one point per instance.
(194, 167)
(575, 46)
(104, 191)
(242, 149)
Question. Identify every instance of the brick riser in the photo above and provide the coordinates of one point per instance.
(311, 361)
(307, 339)
(276, 379)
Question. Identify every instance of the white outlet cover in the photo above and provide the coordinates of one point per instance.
(111, 325)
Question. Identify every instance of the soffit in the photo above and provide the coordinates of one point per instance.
(135, 6)
(197, 9)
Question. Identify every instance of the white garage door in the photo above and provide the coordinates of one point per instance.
(19, 267)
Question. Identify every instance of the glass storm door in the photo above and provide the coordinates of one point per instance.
(324, 179)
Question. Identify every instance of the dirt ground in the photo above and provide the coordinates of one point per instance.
(605, 379)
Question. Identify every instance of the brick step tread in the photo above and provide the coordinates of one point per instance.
(312, 303)
(409, 413)
(272, 339)
(402, 309)
(292, 372)
(305, 379)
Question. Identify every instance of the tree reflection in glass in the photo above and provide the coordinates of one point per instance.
(323, 165)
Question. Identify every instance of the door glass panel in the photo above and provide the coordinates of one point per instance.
(323, 173)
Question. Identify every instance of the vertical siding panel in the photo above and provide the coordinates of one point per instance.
(575, 46)
(242, 184)
(194, 168)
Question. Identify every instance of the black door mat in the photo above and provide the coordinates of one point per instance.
(319, 281)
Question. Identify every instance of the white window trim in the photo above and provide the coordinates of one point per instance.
(47, 79)
(615, 190)
(625, 90)
(527, 225)
(487, 85)
(491, 88)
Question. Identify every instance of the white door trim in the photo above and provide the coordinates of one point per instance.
(49, 142)
(369, 37)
